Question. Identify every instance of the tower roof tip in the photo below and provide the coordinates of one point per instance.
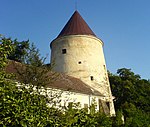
(76, 26)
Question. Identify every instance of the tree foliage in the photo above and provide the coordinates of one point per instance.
(23, 105)
(6, 48)
(81, 118)
(20, 50)
(131, 97)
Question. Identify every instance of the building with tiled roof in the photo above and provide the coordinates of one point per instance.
(77, 52)
(61, 87)
(79, 62)
(60, 80)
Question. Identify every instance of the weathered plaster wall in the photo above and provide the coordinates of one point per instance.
(84, 100)
(81, 56)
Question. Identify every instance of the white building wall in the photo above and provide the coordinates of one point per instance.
(78, 98)
(83, 99)
(62, 98)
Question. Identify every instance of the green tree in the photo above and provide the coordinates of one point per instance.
(23, 104)
(6, 48)
(20, 49)
(19, 105)
(75, 117)
(132, 97)
(37, 75)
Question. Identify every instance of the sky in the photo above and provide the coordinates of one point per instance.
(123, 25)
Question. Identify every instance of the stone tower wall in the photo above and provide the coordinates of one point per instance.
(81, 56)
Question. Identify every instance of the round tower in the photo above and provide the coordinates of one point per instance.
(79, 53)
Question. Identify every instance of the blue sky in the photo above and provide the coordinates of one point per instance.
(123, 25)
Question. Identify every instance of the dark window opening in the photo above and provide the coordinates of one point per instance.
(64, 51)
(92, 78)
(79, 62)
(104, 66)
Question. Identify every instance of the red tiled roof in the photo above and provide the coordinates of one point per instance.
(72, 84)
(60, 81)
(76, 26)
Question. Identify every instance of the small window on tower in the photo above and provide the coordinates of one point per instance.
(104, 66)
(64, 51)
(79, 62)
(92, 78)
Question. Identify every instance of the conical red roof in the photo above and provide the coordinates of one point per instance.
(76, 26)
